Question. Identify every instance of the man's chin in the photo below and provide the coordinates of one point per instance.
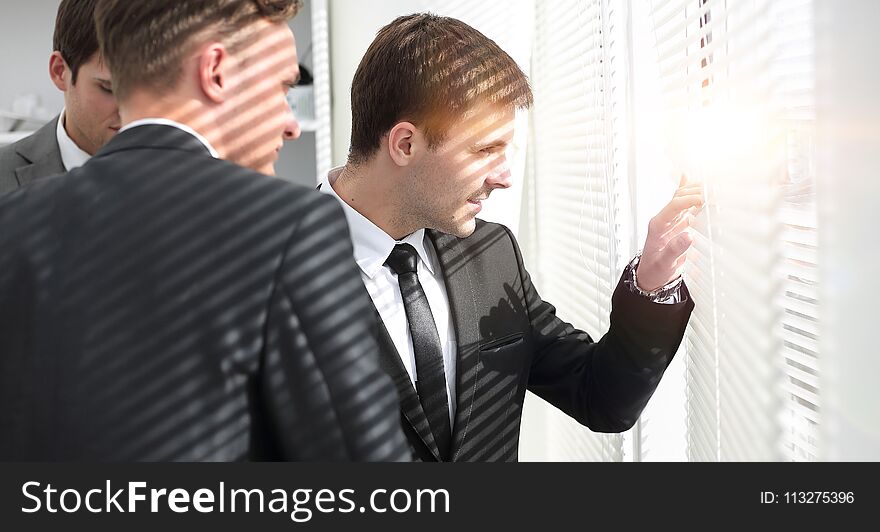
(265, 169)
(465, 229)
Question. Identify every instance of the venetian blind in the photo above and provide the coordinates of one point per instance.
(577, 127)
(736, 85)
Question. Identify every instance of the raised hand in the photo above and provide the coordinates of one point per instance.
(668, 239)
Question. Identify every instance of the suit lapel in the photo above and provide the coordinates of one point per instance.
(410, 407)
(458, 274)
(41, 149)
(27, 174)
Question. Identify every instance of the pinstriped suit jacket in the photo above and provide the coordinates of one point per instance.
(160, 304)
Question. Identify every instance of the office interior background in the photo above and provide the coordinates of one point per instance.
(772, 104)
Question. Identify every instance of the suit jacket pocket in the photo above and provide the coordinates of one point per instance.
(504, 356)
(504, 342)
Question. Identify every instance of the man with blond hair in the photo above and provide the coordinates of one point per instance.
(170, 301)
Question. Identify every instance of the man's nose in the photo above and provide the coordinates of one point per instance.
(500, 176)
(292, 130)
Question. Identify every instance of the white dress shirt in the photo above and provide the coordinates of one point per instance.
(72, 156)
(372, 246)
(172, 123)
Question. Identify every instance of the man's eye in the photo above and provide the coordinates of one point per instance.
(108, 90)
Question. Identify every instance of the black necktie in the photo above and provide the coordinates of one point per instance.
(430, 375)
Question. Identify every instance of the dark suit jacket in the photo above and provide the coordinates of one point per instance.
(31, 158)
(510, 340)
(159, 304)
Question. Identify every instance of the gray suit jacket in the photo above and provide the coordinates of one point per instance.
(31, 158)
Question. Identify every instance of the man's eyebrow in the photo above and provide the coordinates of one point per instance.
(495, 143)
(102, 80)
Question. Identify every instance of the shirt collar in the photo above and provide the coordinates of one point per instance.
(372, 245)
(178, 125)
(72, 156)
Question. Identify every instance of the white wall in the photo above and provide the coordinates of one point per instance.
(848, 114)
(25, 45)
(297, 161)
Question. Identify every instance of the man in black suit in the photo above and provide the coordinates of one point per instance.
(90, 116)
(169, 301)
(464, 331)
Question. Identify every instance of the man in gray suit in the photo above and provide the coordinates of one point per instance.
(90, 116)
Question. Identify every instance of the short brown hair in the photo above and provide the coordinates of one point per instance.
(74, 34)
(428, 70)
(144, 42)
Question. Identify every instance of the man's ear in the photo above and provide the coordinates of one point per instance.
(59, 72)
(214, 65)
(405, 143)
